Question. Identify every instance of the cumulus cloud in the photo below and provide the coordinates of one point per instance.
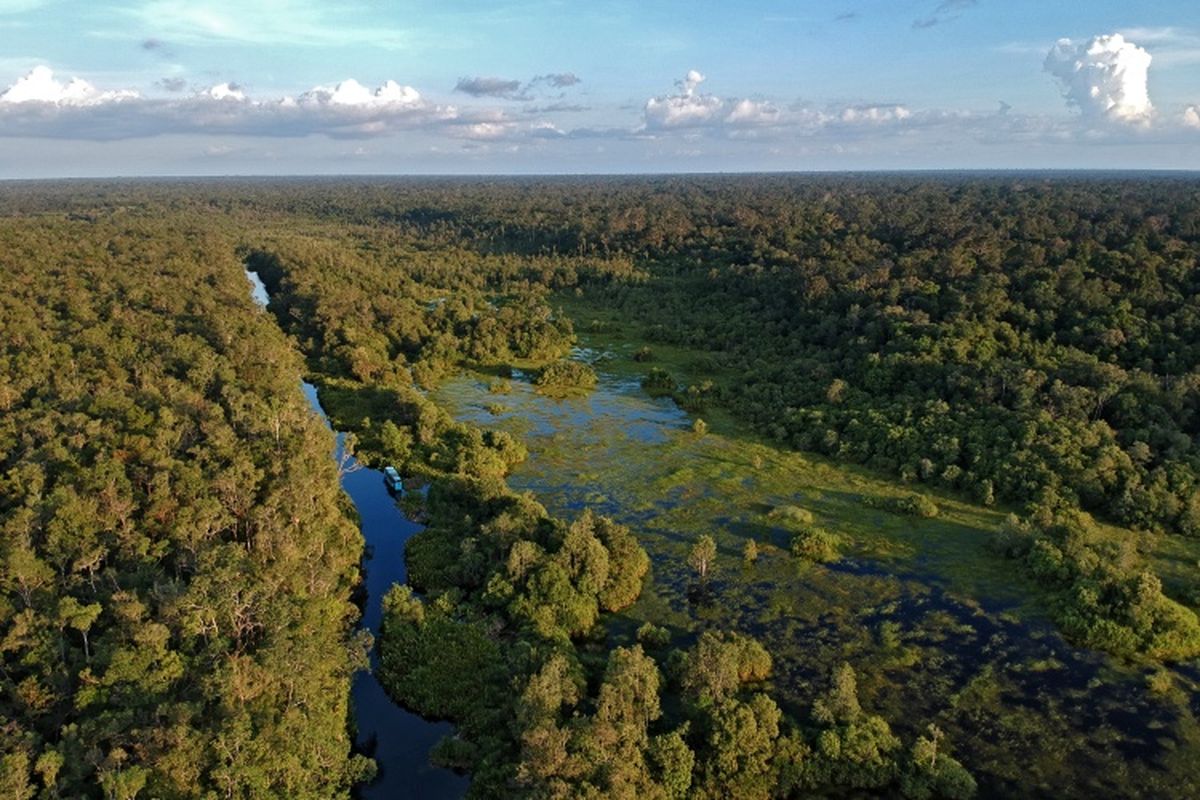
(40, 105)
(40, 86)
(350, 93)
(692, 109)
(482, 131)
(1105, 77)
(488, 87)
(874, 115)
(1191, 116)
(226, 91)
(1172, 46)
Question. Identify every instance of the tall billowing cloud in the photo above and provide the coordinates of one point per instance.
(40, 86)
(1105, 78)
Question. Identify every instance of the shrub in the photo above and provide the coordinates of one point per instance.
(913, 504)
(792, 514)
(653, 636)
(565, 378)
(815, 544)
(750, 551)
(658, 383)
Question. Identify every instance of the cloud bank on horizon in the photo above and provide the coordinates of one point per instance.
(554, 118)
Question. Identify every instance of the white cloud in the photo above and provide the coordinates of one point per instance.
(40, 86)
(751, 112)
(874, 115)
(1170, 46)
(1191, 117)
(690, 109)
(482, 131)
(351, 93)
(1105, 77)
(225, 91)
(39, 105)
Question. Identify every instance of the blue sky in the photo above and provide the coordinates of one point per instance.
(445, 86)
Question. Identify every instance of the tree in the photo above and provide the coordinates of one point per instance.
(702, 555)
(750, 551)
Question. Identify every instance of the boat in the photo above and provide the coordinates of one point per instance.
(392, 479)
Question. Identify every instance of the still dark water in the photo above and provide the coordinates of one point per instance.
(398, 740)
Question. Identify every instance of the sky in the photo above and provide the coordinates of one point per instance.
(226, 87)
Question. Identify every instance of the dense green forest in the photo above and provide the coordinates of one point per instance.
(178, 562)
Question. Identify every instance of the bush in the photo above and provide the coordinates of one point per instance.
(750, 551)
(653, 636)
(565, 378)
(913, 505)
(658, 383)
(792, 514)
(815, 544)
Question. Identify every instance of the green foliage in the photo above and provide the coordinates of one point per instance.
(812, 543)
(1105, 597)
(719, 664)
(852, 748)
(653, 636)
(914, 505)
(565, 378)
(750, 551)
(702, 555)
(791, 514)
(176, 564)
(930, 773)
(442, 666)
(659, 383)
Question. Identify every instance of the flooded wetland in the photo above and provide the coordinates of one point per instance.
(938, 630)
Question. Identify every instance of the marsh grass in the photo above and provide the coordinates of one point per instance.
(938, 628)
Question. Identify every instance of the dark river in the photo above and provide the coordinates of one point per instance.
(398, 740)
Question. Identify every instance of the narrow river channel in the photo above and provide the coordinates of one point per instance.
(398, 740)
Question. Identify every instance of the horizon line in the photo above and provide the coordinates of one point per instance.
(263, 176)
